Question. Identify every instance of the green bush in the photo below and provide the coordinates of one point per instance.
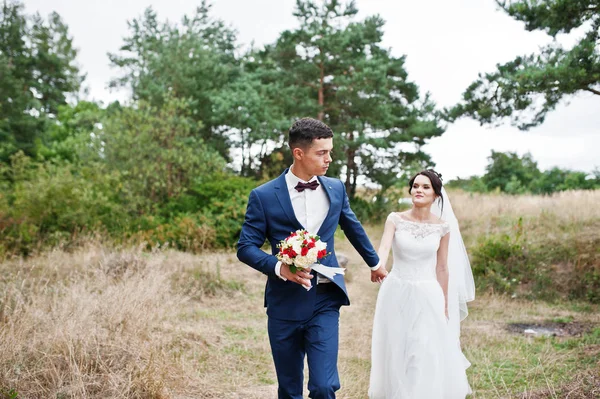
(499, 263)
(208, 215)
(585, 278)
(222, 201)
(49, 203)
(375, 208)
(545, 269)
(363, 209)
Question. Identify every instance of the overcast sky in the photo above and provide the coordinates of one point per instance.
(447, 43)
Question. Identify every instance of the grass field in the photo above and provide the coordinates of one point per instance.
(103, 322)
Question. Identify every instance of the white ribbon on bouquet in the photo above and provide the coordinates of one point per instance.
(326, 271)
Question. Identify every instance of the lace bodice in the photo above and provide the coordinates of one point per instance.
(415, 247)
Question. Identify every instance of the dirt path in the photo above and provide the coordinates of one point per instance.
(234, 359)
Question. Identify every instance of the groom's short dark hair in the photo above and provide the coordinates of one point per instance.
(305, 130)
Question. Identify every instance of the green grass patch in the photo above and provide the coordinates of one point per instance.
(507, 367)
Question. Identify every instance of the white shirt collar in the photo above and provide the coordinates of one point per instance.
(292, 180)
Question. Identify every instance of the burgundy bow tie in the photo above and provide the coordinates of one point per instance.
(303, 186)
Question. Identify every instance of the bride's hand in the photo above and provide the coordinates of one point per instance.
(446, 313)
(379, 275)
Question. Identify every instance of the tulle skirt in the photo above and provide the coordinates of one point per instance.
(414, 355)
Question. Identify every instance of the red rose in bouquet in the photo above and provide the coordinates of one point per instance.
(301, 249)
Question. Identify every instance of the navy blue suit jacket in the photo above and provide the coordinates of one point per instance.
(270, 216)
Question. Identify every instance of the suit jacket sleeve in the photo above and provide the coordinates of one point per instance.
(356, 234)
(252, 237)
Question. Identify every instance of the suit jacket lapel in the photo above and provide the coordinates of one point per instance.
(283, 196)
(332, 200)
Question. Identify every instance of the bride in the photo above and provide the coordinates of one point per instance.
(416, 330)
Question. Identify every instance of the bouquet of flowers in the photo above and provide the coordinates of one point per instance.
(301, 250)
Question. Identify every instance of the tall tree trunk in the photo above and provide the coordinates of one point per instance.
(350, 167)
(168, 143)
(321, 114)
(352, 191)
(169, 180)
(244, 144)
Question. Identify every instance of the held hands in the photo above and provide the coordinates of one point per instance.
(302, 276)
(379, 275)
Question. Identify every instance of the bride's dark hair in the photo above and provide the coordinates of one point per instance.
(436, 183)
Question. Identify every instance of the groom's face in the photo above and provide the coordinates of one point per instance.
(316, 158)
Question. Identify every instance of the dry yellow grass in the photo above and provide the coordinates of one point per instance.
(87, 325)
(107, 323)
(100, 323)
(572, 206)
(569, 213)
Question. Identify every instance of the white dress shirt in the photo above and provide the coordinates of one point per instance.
(310, 207)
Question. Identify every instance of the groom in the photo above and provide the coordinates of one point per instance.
(302, 322)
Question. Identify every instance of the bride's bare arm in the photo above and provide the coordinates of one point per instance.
(384, 250)
(441, 269)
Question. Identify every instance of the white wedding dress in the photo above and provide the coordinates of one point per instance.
(415, 354)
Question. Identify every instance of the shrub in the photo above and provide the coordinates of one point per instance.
(546, 269)
(222, 200)
(499, 263)
(375, 207)
(51, 203)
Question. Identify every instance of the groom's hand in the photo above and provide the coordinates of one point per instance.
(301, 277)
(379, 275)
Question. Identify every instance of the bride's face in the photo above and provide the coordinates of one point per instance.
(422, 191)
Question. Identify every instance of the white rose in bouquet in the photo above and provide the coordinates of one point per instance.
(302, 250)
